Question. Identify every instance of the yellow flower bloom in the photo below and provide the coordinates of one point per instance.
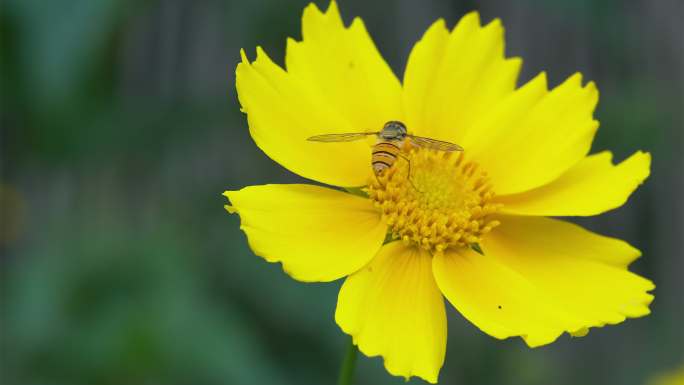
(673, 377)
(525, 158)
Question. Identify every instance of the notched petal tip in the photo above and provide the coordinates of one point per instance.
(333, 9)
(243, 56)
(470, 18)
(592, 87)
(438, 27)
(439, 23)
(241, 66)
(543, 77)
(639, 164)
(312, 10)
(648, 286)
(313, 18)
(357, 22)
(539, 82)
(231, 209)
(496, 26)
(575, 79)
(646, 159)
(261, 54)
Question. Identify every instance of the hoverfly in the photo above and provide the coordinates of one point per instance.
(391, 140)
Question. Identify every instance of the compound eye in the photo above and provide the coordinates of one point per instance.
(394, 130)
(399, 125)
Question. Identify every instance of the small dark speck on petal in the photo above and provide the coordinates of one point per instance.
(499, 306)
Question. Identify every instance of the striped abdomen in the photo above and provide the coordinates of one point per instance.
(384, 155)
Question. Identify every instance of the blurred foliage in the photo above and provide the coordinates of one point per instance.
(115, 308)
(120, 128)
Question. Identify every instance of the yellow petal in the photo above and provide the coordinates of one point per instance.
(532, 137)
(318, 234)
(541, 277)
(336, 81)
(346, 68)
(393, 308)
(451, 79)
(591, 187)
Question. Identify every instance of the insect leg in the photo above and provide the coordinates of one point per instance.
(378, 180)
(409, 172)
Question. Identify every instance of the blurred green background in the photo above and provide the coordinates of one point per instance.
(120, 129)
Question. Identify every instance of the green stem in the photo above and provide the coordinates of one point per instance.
(348, 365)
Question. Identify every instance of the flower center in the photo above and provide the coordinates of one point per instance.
(444, 202)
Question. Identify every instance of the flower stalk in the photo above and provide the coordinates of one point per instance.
(348, 364)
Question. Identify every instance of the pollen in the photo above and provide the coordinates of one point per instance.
(436, 200)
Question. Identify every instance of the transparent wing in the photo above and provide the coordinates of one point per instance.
(350, 137)
(434, 144)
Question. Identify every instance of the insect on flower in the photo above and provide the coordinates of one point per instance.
(477, 231)
(389, 145)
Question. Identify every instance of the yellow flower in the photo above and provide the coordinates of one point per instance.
(525, 159)
(673, 377)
